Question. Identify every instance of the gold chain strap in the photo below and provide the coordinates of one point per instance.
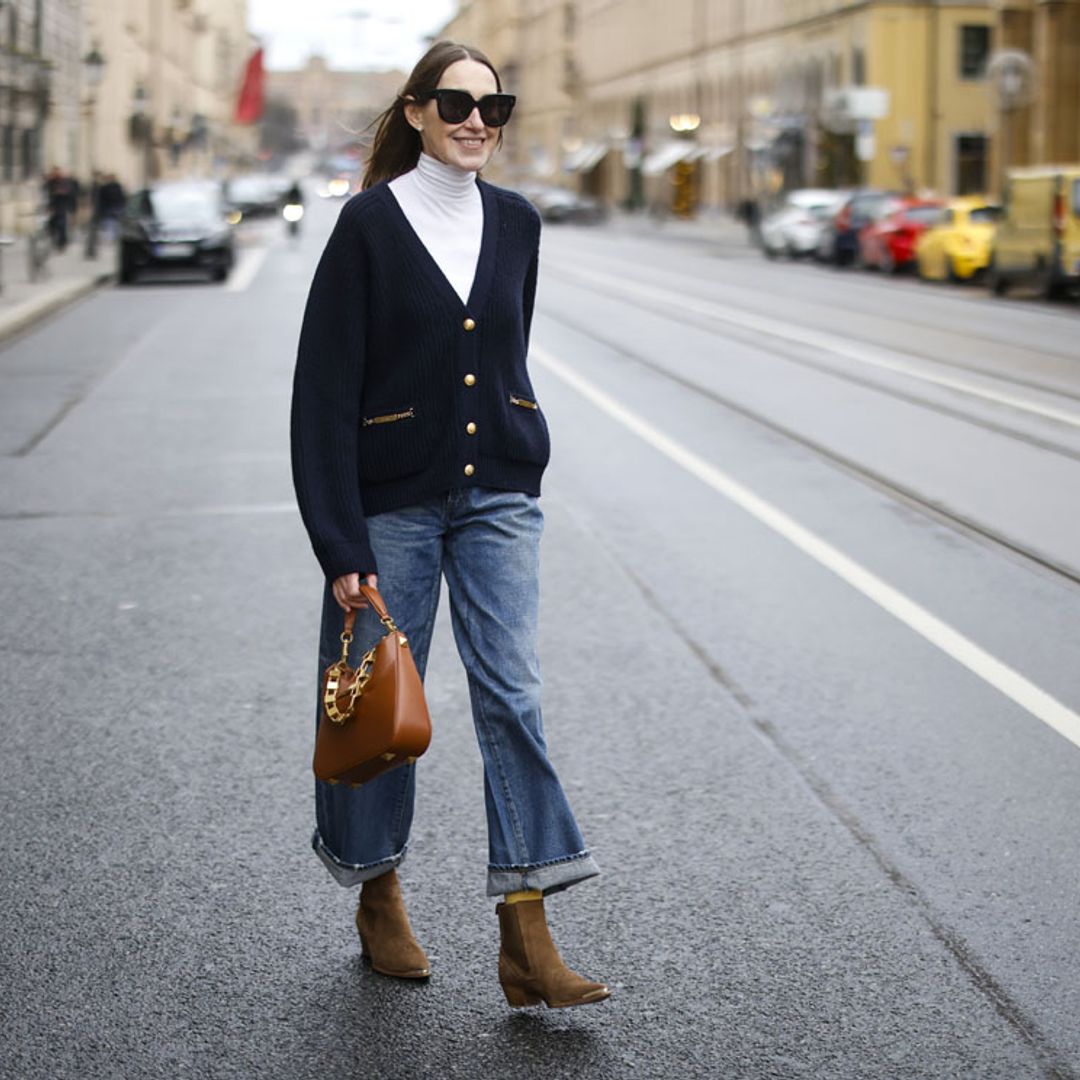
(363, 673)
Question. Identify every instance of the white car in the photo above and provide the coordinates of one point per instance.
(795, 227)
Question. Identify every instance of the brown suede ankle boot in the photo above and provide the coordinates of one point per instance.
(386, 938)
(530, 968)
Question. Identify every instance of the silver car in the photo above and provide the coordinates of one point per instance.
(795, 227)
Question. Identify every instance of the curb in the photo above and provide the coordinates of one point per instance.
(22, 316)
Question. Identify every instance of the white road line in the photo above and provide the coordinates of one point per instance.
(818, 339)
(247, 266)
(963, 650)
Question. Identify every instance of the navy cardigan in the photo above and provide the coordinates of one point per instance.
(402, 392)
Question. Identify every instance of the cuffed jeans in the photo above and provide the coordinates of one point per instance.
(487, 544)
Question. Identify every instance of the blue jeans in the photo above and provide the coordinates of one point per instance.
(487, 543)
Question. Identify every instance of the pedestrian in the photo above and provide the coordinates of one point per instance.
(60, 201)
(418, 449)
(111, 202)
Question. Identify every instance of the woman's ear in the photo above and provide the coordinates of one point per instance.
(414, 113)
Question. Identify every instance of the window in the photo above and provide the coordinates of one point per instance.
(972, 161)
(1076, 197)
(29, 153)
(974, 50)
(9, 152)
(985, 215)
(858, 67)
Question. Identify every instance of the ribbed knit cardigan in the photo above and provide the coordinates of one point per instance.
(401, 391)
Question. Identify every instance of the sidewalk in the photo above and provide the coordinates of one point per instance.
(65, 278)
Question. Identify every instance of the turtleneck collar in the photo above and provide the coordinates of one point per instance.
(444, 183)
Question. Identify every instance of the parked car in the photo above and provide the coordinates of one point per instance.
(794, 228)
(181, 224)
(558, 204)
(1038, 237)
(888, 241)
(839, 241)
(958, 247)
(256, 194)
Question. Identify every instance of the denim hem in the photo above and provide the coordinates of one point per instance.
(348, 874)
(548, 877)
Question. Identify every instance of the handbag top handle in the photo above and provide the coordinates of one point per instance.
(374, 598)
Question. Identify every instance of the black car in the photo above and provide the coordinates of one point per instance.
(177, 225)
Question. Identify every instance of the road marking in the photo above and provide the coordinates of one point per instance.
(247, 266)
(963, 650)
(818, 339)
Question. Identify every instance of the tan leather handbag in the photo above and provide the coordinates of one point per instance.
(374, 717)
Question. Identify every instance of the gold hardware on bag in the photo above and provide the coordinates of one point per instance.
(388, 757)
(333, 681)
(389, 418)
(523, 402)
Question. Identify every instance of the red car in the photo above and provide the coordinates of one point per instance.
(888, 242)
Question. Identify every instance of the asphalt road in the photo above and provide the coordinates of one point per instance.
(809, 642)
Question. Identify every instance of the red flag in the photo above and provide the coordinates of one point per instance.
(249, 105)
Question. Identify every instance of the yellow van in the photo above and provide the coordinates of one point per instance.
(1038, 238)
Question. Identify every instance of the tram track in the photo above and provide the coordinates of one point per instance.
(902, 493)
(694, 299)
(916, 289)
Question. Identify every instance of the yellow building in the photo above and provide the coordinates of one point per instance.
(738, 99)
(731, 98)
(1044, 127)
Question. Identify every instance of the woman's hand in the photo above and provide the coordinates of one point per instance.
(347, 590)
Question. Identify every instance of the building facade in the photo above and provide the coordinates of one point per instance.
(40, 106)
(334, 109)
(715, 101)
(735, 100)
(172, 72)
(1042, 125)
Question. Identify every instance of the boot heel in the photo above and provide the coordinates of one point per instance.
(517, 998)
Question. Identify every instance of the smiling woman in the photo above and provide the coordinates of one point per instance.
(418, 450)
(433, 104)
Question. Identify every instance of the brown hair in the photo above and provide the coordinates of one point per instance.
(396, 147)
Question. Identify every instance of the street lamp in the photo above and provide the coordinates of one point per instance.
(93, 66)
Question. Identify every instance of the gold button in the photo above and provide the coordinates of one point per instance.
(470, 379)
(469, 324)
(470, 428)
(469, 470)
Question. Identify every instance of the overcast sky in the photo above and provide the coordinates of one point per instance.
(349, 33)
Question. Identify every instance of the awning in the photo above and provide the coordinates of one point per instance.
(715, 153)
(667, 155)
(585, 157)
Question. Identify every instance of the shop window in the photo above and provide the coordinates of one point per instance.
(972, 164)
(974, 50)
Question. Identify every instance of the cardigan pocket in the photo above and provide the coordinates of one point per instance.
(524, 431)
(393, 444)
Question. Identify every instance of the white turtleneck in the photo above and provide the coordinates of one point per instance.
(443, 205)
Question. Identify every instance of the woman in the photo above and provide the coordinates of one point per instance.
(418, 449)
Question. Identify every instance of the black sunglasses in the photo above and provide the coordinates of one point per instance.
(456, 106)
